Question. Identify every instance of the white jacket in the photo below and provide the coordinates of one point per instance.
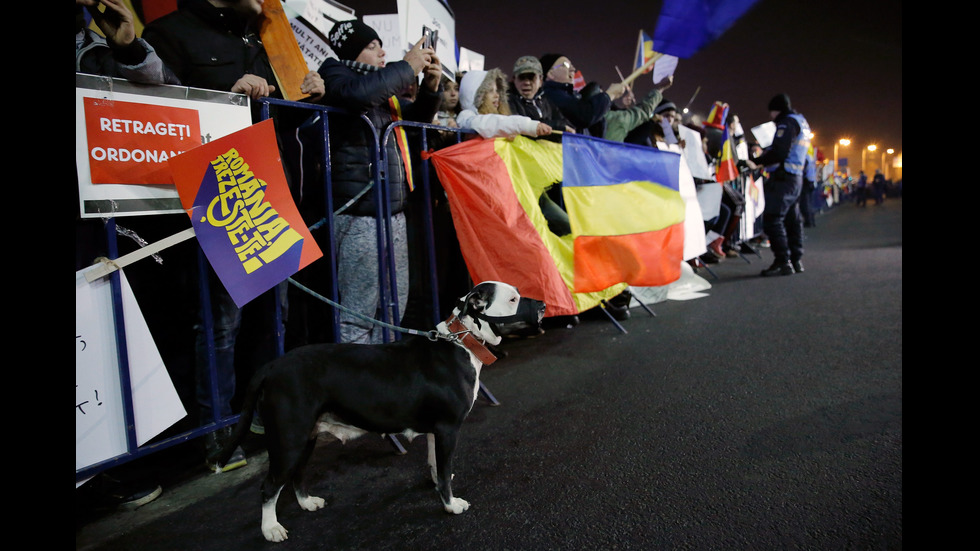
(489, 125)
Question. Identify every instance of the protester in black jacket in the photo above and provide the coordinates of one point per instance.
(526, 97)
(361, 82)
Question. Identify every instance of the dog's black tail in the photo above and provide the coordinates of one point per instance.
(252, 393)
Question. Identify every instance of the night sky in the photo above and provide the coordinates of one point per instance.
(840, 61)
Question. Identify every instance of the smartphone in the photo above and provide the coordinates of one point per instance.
(431, 37)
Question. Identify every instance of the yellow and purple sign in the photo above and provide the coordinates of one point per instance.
(235, 192)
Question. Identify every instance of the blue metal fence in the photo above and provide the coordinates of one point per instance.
(386, 281)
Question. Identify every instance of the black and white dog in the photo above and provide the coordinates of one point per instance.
(417, 385)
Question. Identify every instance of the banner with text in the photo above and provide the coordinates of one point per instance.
(235, 192)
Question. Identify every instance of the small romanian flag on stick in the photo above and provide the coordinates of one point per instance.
(644, 51)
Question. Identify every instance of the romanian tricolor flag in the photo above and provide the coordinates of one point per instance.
(644, 52)
(623, 230)
(726, 163)
(626, 211)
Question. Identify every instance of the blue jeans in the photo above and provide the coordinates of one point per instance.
(226, 321)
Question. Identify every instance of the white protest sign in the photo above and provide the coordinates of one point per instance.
(321, 14)
(389, 32)
(764, 133)
(470, 60)
(664, 67)
(415, 14)
(694, 243)
(100, 429)
(312, 41)
(218, 114)
(694, 154)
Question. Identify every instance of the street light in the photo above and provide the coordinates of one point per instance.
(871, 148)
(884, 167)
(842, 142)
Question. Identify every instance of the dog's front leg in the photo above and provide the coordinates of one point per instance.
(271, 529)
(444, 447)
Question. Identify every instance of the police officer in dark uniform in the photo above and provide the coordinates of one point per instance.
(784, 161)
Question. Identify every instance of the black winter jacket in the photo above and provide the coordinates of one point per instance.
(351, 140)
(209, 47)
(538, 108)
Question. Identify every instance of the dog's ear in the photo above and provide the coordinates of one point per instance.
(477, 300)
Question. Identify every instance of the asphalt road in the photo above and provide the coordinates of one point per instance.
(767, 415)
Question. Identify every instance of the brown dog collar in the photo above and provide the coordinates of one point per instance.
(470, 342)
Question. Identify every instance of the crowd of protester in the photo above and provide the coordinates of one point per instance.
(214, 44)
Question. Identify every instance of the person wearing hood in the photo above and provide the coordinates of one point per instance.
(785, 160)
(485, 109)
(363, 82)
(483, 98)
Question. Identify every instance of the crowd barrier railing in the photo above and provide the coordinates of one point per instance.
(386, 282)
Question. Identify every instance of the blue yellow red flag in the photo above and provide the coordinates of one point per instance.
(726, 170)
(494, 186)
(626, 213)
(686, 26)
(644, 52)
(235, 192)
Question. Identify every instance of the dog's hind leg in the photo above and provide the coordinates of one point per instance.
(306, 501)
(431, 439)
(444, 447)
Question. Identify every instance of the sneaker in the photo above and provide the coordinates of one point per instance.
(797, 266)
(257, 427)
(619, 313)
(778, 269)
(213, 442)
(107, 493)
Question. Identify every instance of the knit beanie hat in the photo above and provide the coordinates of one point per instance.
(665, 105)
(548, 61)
(348, 38)
(779, 103)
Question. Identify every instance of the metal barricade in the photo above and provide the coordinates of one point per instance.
(387, 283)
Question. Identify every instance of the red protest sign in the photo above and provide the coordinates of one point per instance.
(130, 143)
(235, 192)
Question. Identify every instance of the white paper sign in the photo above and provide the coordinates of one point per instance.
(389, 32)
(100, 429)
(470, 60)
(694, 243)
(764, 133)
(221, 113)
(414, 14)
(664, 67)
(322, 14)
(694, 154)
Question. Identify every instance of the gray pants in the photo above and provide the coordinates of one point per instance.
(357, 274)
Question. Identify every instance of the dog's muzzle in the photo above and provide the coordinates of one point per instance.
(529, 310)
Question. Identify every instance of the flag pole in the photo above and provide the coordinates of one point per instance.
(653, 59)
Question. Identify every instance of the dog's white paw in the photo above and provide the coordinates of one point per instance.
(311, 503)
(457, 506)
(274, 532)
